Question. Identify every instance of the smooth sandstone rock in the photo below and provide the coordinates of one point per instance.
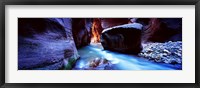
(123, 38)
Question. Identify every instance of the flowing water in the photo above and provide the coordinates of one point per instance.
(119, 61)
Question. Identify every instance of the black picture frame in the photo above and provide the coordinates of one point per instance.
(98, 2)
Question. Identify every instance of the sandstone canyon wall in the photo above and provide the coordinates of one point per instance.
(52, 43)
(161, 29)
(81, 31)
(48, 43)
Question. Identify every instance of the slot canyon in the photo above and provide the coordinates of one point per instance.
(99, 43)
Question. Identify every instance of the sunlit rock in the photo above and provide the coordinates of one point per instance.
(96, 30)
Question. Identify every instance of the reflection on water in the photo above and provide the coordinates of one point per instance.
(93, 57)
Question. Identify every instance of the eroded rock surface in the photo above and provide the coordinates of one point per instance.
(161, 29)
(81, 31)
(45, 43)
(96, 30)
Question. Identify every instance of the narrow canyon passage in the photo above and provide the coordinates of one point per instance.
(100, 44)
(94, 53)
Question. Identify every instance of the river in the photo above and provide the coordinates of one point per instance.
(119, 61)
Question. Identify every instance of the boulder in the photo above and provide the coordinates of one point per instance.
(45, 43)
(123, 38)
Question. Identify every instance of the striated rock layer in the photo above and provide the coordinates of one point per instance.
(45, 43)
(124, 38)
(161, 29)
(96, 30)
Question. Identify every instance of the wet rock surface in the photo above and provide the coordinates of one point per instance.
(124, 38)
(169, 52)
(93, 57)
(97, 63)
(44, 44)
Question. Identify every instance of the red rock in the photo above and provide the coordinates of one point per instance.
(96, 30)
(110, 22)
(161, 29)
(81, 29)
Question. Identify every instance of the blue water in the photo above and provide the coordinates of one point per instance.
(120, 61)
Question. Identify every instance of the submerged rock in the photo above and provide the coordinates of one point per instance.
(169, 52)
(97, 64)
(44, 44)
(124, 38)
